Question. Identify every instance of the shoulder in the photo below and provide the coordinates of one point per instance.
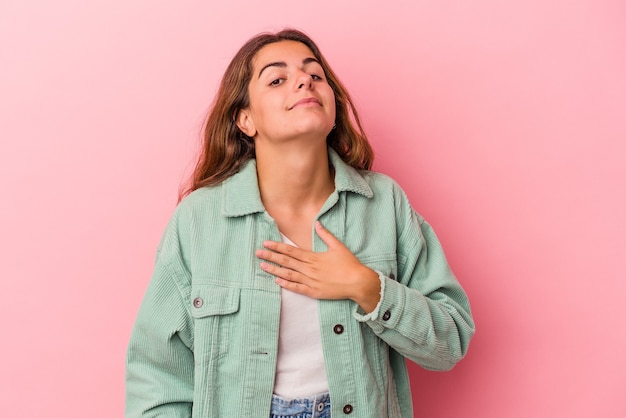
(193, 207)
(385, 187)
(201, 197)
(378, 180)
(199, 203)
(387, 191)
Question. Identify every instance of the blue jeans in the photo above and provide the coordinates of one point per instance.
(317, 406)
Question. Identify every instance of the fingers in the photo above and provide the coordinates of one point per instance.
(282, 272)
(329, 239)
(294, 281)
(293, 263)
(288, 259)
(300, 288)
(286, 249)
(290, 279)
(276, 258)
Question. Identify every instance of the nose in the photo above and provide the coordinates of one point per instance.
(305, 81)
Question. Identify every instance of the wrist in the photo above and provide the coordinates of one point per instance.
(368, 290)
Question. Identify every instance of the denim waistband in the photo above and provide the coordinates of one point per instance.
(316, 406)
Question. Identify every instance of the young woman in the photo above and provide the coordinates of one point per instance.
(291, 280)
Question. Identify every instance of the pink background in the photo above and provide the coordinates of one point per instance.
(503, 120)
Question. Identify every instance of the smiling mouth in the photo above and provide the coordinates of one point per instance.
(308, 101)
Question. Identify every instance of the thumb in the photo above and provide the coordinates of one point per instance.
(328, 238)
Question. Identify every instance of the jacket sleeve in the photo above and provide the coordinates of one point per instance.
(160, 362)
(424, 313)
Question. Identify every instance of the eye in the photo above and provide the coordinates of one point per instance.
(316, 77)
(276, 82)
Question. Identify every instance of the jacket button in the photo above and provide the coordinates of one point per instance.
(386, 315)
(347, 409)
(338, 329)
(391, 276)
(197, 302)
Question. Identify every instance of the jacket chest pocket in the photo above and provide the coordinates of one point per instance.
(214, 309)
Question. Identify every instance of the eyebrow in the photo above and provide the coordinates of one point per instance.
(283, 64)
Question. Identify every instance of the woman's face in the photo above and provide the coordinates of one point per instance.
(289, 95)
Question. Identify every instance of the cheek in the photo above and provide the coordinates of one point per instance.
(258, 105)
(333, 107)
(265, 113)
(330, 94)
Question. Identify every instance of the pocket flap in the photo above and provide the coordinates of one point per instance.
(385, 264)
(214, 300)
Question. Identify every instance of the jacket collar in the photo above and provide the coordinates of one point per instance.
(241, 196)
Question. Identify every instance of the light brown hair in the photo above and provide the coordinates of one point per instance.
(225, 148)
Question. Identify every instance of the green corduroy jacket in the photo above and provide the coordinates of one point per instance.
(206, 335)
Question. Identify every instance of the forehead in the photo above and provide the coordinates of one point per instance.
(282, 51)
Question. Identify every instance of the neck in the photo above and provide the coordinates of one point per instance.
(294, 178)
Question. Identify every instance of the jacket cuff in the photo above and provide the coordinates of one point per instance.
(388, 311)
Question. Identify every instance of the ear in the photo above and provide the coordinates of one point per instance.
(245, 123)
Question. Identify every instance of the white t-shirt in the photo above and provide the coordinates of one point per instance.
(300, 368)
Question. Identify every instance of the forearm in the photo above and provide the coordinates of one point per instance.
(432, 331)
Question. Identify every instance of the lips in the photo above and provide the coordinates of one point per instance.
(307, 101)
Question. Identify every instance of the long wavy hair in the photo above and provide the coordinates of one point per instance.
(225, 148)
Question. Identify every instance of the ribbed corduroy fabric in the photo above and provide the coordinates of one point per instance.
(205, 339)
